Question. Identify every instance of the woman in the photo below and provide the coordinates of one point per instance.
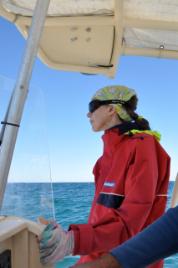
(131, 180)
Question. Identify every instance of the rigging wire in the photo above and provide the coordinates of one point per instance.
(2, 130)
(51, 185)
(49, 165)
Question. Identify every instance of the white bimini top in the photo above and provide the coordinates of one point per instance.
(90, 35)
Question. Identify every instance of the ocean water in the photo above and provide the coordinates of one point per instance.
(72, 202)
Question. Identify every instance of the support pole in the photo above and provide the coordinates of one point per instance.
(118, 25)
(174, 199)
(20, 93)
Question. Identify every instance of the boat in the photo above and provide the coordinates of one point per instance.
(82, 36)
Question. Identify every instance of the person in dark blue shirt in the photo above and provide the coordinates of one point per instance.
(159, 240)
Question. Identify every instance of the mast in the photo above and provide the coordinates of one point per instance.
(12, 121)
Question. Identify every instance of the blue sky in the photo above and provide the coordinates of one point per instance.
(55, 140)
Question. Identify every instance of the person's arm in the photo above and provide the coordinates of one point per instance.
(106, 261)
(122, 223)
(157, 241)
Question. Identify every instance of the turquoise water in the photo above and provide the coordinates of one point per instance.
(72, 204)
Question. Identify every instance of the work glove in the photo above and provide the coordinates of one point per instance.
(55, 243)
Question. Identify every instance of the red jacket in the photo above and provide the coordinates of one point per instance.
(131, 179)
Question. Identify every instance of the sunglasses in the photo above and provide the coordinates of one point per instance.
(95, 104)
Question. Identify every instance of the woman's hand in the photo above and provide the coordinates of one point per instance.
(54, 243)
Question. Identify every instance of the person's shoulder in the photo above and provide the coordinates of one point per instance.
(142, 138)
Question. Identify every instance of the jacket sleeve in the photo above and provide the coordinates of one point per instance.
(119, 224)
(157, 241)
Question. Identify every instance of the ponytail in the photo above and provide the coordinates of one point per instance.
(142, 123)
(130, 106)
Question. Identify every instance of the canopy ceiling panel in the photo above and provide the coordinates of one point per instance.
(147, 9)
(86, 45)
(149, 38)
(62, 7)
(89, 36)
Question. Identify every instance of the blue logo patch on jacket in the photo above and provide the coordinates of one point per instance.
(109, 184)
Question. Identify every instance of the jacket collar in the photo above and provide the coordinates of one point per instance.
(113, 136)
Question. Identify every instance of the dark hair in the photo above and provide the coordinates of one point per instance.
(130, 106)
